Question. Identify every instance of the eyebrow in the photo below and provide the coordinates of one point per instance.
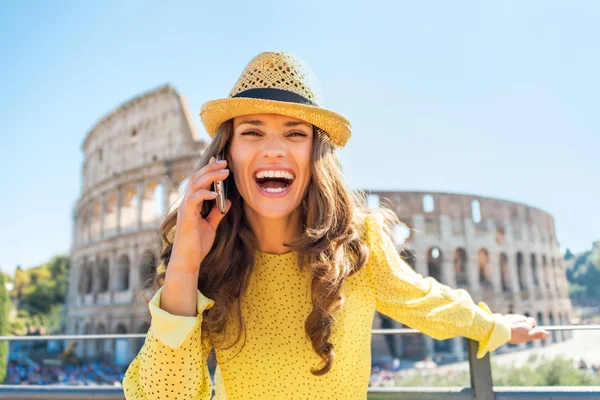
(257, 122)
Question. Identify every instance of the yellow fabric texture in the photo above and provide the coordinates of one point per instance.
(274, 357)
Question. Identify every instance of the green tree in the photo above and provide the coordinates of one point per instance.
(4, 309)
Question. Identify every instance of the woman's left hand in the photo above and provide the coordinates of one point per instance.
(524, 329)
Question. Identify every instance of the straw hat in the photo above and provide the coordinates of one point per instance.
(276, 83)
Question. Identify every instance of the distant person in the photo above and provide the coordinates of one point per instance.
(285, 285)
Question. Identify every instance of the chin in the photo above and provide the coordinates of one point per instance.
(272, 210)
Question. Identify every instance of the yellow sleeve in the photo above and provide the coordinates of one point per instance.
(172, 361)
(425, 304)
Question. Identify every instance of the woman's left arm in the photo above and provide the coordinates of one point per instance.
(435, 309)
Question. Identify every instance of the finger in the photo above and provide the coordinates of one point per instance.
(532, 321)
(195, 199)
(206, 180)
(539, 333)
(215, 216)
(212, 165)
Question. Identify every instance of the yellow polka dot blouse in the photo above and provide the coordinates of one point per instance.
(275, 361)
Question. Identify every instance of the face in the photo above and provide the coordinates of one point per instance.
(270, 157)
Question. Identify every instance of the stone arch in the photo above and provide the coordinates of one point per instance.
(104, 277)
(110, 215)
(151, 201)
(120, 329)
(128, 208)
(82, 272)
(434, 263)
(460, 259)
(87, 345)
(561, 322)
(546, 273)
(504, 272)
(534, 270)
(551, 323)
(521, 272)
(541, 322)
(123, 268)
(95, 225)
(89, 279)
(100, 343)
(147, 268)
(484, 268)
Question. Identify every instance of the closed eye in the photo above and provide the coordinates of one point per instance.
(251, 133)
(297, 134)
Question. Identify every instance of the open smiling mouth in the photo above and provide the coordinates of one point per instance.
(274, 181)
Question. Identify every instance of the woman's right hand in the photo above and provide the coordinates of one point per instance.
(194, 235)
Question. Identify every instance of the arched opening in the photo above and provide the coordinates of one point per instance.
(504, 272)
(485, 273)
(521, 272)
(541, 322)
(476, 211)
(81, 281)
(100, 343)
(147, 269)
(88, 345)
(151, 202)
(121, 350)
(547, 275)
(158, 198)
(551, 322)
(89, 281)
(110, 215)
(128, 209)
(534, 271)
(561, 322)
(123, 273)
(104, 277)
(428, 203)
(434, 263)
(95, 223)
(460, 266)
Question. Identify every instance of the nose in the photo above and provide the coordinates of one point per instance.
(273, 149)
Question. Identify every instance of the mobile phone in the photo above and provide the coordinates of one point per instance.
(220, 189)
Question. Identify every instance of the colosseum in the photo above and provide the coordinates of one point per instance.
(136, 159)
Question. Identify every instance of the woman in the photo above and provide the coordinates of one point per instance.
(284, 286)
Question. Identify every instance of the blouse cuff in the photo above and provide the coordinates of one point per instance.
(172, 330)
(500, 333)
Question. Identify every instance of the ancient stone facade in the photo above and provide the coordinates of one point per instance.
(136, 160)
(503, 253)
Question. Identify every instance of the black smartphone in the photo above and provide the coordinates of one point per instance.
(220, 189)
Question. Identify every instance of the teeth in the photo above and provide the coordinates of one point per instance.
(274, 174)
(274, 190)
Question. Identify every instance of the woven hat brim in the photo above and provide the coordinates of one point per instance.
(215, 112)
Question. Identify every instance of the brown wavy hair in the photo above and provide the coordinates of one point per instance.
(331, 246)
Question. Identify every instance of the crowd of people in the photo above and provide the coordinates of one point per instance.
(27, 372)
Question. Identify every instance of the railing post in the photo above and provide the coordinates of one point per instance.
(481, 374)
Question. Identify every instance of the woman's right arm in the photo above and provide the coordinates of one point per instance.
(172, 361)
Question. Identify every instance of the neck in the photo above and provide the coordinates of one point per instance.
(271, 234)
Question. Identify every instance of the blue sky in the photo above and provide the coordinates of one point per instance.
(492, 98)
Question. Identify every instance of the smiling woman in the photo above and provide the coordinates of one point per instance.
(285, 285)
